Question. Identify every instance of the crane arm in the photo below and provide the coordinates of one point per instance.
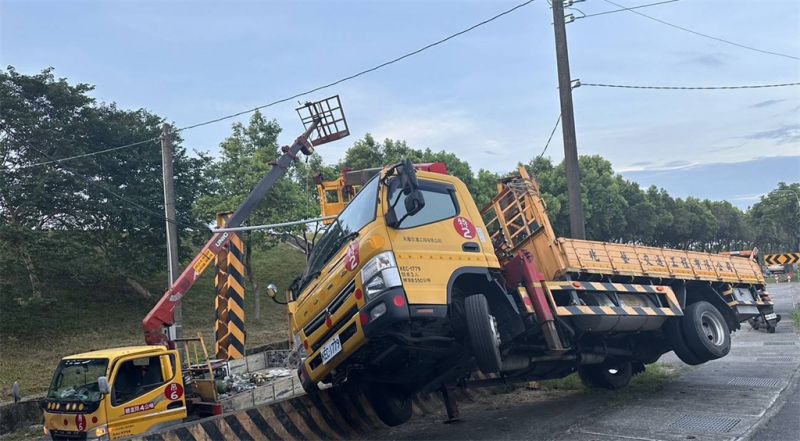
(162, 315)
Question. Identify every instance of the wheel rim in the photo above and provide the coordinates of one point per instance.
(712, 329)
(495, 333)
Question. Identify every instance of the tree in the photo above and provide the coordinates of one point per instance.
(775, 220)
(90, 221)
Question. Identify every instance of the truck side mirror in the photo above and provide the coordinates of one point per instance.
(414, 203)
(102, 385)
(272, 290)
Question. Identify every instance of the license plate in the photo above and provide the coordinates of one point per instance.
(330, 349)
(772, 316)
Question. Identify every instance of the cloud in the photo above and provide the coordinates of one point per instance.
(766, 103)
(709, 60)
(641, 164)
(787, 133)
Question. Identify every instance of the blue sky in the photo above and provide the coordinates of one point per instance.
(489, 95)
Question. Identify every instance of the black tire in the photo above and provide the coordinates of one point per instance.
(390, 403)
(705, 331)
(679, 346)
(770, 328)
(606, 375)
(309, 386)
(483, 334)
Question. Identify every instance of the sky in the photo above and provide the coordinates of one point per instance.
(489, 95)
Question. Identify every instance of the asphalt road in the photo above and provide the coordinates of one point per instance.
(753, 393)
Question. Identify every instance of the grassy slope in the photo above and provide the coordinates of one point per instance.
(33, 339)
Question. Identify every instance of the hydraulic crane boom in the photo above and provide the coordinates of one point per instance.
(324, 122)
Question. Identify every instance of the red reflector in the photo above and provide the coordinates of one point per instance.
(216, 409)
(359, 294)
(94, 420)
(399, 301)
(659, 288)
(527, 300)
(329, 322)
(65, 421)
(364, 317)
(576, 284)
(305, 344)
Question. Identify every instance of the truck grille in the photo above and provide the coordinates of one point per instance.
(332, 308)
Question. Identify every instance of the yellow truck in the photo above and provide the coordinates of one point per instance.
(412, 287)
(115, 393)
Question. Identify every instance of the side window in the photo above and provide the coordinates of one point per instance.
(440, 204)
(331, 196)
(136, 377)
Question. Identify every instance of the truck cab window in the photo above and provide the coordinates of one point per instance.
(136, 377)
(440, 204)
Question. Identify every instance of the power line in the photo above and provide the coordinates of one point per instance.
(722, 40)
(624, 9)
(551, 137)
(103, 188)
(134, 144)
(307, 92)
(627, 86)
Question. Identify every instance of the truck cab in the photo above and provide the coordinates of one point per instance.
(373, 303)
(114, 393)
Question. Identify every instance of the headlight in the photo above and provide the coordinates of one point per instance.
(380, 274)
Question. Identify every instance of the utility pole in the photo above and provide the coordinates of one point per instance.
(576, 220)
(169, 212)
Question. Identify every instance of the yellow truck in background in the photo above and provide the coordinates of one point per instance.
(412, 287)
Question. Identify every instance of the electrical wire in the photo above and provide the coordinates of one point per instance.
(627, 86)
(722, 40)
(551, 137)
(104, 188)
(307, 92)
(625, 9)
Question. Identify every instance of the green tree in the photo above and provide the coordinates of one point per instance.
(93, 221)
(775, 220)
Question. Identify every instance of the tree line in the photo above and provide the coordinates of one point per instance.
(97, 221)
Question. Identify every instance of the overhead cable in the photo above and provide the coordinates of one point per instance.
(628, 86)
(722, 40)
(625, 9)
(307, 92)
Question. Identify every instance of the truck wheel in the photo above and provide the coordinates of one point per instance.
(309, 386)
(607, 375)
(390, 403)
(678, 342)
(483, 334)
(705, 331)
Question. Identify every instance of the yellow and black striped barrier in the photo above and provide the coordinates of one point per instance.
(782, 259)
(672, 309)
(229, 327)
(330, 414)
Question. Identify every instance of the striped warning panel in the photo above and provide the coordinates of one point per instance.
(782, 259)
(229, 327)
(617, 309)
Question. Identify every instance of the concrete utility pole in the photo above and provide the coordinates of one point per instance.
(576, 220)
(169, 211)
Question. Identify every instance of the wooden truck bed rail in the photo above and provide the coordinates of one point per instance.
(516, 220)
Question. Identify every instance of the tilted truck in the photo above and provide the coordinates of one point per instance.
(412, 286)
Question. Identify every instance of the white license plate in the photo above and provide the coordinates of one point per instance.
(330, 349)
(772, 316)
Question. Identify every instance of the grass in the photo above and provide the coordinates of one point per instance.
(796, 318)
(34, 338)
(648, 382)
(783, 278)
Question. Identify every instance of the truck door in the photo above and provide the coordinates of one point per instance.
(147, 391)
(434, 243)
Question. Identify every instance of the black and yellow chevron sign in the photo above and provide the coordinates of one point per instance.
(782, 259)
(229, 327)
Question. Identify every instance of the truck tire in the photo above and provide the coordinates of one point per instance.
(309, 386)
(705, 331)
(678, 342)
(483, 334)
(606, 375)
(390, 403)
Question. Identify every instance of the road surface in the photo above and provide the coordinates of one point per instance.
(752, 393)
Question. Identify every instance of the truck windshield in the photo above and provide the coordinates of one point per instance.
(76, 380)
(359, 212)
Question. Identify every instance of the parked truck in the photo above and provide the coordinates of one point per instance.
(412, 288)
